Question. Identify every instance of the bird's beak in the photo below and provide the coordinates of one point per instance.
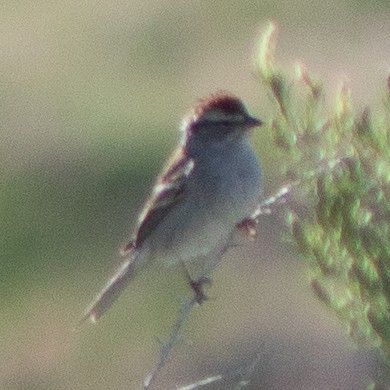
(253, 122)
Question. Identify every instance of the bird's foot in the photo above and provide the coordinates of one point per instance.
(197, 288)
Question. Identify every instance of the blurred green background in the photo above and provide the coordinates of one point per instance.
(91, 97)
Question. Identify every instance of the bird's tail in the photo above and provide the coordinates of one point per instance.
(113, 289)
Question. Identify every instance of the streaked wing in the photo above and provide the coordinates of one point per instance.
(169, 191)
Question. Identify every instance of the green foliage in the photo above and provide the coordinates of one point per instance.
(339, 164)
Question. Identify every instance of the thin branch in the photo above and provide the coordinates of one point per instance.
(202, 382)
(278, 198)
(266, 206)
(247, 373)
(244, 374)
(166, 347)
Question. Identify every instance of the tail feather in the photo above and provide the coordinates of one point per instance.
(111, 291)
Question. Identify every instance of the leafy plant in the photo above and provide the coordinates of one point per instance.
(338, 163)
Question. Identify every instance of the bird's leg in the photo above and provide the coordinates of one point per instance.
(196, 285)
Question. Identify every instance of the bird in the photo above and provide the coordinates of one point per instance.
(208, 189)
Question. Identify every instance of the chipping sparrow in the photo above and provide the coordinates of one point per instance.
(211, 185)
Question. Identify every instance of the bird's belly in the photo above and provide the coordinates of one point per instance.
(203, 225)
(224, 189)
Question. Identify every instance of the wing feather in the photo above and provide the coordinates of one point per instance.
(168, 192)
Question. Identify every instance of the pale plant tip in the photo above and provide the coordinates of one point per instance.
(290, 217)
(265, 51)
(343, 104)
(301, 73)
